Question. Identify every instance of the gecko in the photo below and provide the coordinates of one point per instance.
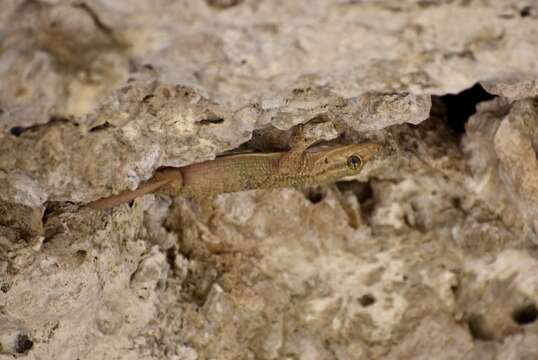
(300, 166)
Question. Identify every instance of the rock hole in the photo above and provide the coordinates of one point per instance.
(315, 196)
(455, 289)
(103, 126)
(53, 121)
(51, 228)
(525, 315)
(171, 258)
(23, 344)
(223, 4)
(458, 108)
(526, 11)
(147, 97)
(52, 208)
(456, 202)
(211, 120)
(16, 130)
(367, 300)
(81, 255)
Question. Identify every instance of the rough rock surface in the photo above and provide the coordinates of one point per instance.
(441, 264)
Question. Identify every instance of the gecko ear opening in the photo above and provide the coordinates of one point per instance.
(354, 162)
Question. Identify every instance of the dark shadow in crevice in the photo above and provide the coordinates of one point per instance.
(363, 192)
(171, 257)
(23, 343)
(17, 130)
(211, 120)
(457, 109)
(529, 11)
(367, 300)
(478, 329)
(100, 127)
(53, 121)
(315, 195)
(525, 315)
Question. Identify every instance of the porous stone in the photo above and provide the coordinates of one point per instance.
(428, 253)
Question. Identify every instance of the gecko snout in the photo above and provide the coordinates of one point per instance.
(369, 150)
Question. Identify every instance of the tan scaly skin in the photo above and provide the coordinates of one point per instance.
(238, 172)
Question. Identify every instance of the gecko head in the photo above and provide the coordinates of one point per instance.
(335, 163)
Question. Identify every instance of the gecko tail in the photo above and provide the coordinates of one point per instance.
(126, 196)
(160, 180)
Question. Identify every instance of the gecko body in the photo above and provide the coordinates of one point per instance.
(240, 172)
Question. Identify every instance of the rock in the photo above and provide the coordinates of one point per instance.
(513, 87)
(14, 337)
(501, 146)
(429, 252)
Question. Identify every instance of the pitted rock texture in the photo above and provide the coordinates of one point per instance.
(429, 253)
(502, 144)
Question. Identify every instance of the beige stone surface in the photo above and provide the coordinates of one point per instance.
(429, 253)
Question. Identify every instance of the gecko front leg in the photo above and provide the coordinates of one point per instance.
(293, 160)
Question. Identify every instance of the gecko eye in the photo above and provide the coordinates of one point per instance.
(354, 162)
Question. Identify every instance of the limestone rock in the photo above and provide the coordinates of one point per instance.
(428, 253)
